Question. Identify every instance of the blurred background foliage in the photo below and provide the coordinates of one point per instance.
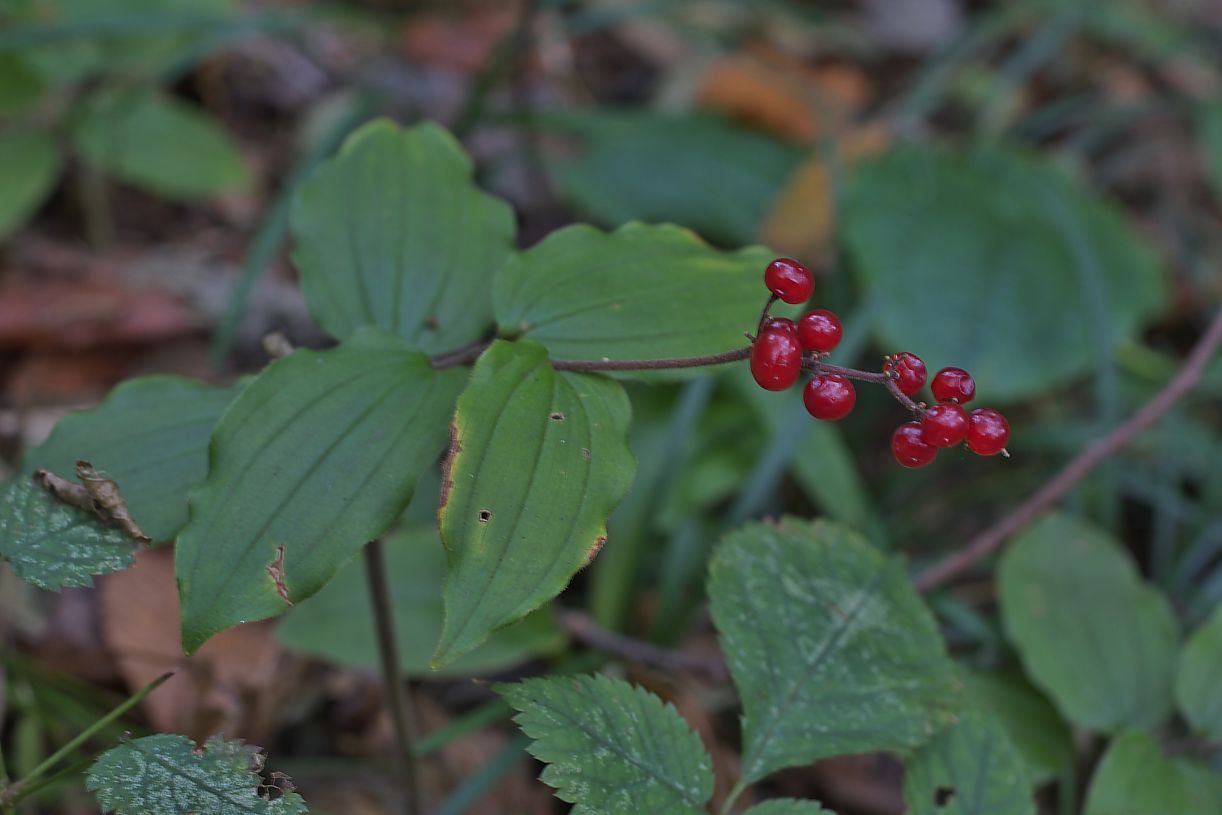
(1026, 189)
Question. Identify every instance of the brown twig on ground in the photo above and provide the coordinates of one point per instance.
(581, 628)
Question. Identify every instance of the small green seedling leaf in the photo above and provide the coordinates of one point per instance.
(393, 232)
(970, 768)
(52, 544)
(538, 460)
(1198, 680)
(1135, 778)
(1032, 723)
(317, 456)
(166, 774)
(611, 748)
(1090, 632)
(29, 165)
(832, 650)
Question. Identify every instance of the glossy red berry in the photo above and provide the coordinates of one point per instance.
(776, 358)
(988, 432)
(953, 385)
(789, 280)
(910, 369)
(909, 448)
(819, 330)
(944, 425)
(780, 324)
(829, 396)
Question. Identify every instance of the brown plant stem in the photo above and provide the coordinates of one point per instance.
(581, 628)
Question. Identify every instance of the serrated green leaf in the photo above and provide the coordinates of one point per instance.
(976, 259)
(1090, 632)
(151, 436)
(612, 748)
(165, 775)
(167, 147)
(970, 768)
(538, 461)
(29, 165)
(788, 806)
(1135, 778)
(337, 624)
(318, 455)
(393, 232)
(1032, 723)
(1198, 680)
(641, 292)
(51, 544)
(832, 650)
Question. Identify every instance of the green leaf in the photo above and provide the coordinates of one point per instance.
(700, 171)
(164, 146)
(1099, 641)
(1198, 681)
(1032, 723)
(165, 775)
(29, 165)
(788, 806)
(151, 436)
(611, 748)
(318, 455)
(1135, 778)
(832, 650)
(538, 460)
(641, 292)
(1209, 136)
(20, 88)
(990, 259)
(51, 544)
(393, 232)
(337, 623)
(971, 768)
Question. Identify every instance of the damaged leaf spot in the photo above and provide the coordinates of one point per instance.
(447, 482)
(942, 796)
(557, 416)
(96, 494)
(585, 453)
(432, 322)
(485, 515)
(276, 570)
(593, 551)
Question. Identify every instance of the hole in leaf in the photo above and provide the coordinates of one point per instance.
(485, 515)
(585, 453)
(942, 795)
(557, 417)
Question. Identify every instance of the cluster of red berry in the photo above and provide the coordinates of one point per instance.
(783, 348)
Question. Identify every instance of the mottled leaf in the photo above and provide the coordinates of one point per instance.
(788, 806)
(1198, 680)
(318, 455)
(1032, 723)
(612, 748)
(970, 768)
(538, 461)
(166, 775)
(151, 436)
(1135, 778)
(832, 650)
(393, 232)
(29, 165)
(1090, 632)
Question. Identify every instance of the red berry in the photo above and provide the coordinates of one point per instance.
(944, 425)
(988, 432)
(829, 396)
(953, 385)
(780, 324)
(910, 369)
(909, 448)
(776, 359)
(819, 330)
(789, 280)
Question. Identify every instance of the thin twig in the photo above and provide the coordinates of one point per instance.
(581, 628)
(392, 679)
(894, 386)
(459, 356)
(650, 364)
(991, 539)
(764, 314)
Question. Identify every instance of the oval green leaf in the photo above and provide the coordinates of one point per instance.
(151, 436)
(317, 456)
(1135, 778)
(788, 806)
(832, 650)
(1033, 724)
(1099, 641)
(641, 292)
(29, 165)
(538, 460)
(393, 232)
(1198, 681)
(990, 259)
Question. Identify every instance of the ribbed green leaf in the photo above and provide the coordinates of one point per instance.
(150, 436)
(51, 544)
(611, 748)
(641, 292)
(832, 650)
(337, 623)
(318, 455)
(1135, 778)
(393, 232)
(165, 775)
(971, 768)
(1099, 641)
(1198, 681)
(1032, 723)
(994, 260)
(788, 806)
(538, 461)
(29, 164)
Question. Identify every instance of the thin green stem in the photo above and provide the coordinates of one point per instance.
(392, 678)
(738, 790)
